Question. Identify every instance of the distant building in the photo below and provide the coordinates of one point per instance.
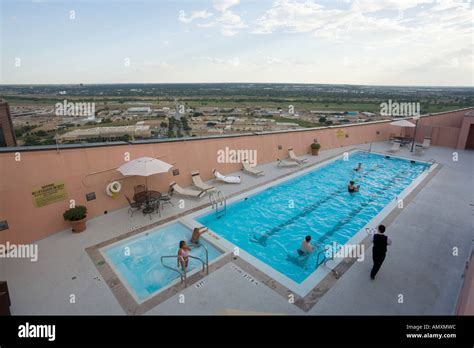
(7, 134)
(139, 110)
(109, 133)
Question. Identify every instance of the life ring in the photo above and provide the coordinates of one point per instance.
(113, 189)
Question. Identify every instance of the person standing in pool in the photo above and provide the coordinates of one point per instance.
(379, 249)
(306, 248)
(352, 188)
(197, 233)
(358, 168)
(183, 254)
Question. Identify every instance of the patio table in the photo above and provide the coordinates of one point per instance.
(147, 197)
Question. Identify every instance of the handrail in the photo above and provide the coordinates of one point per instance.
(212, 200)
(197, 258)
(182, 275)
(207, 256)
(217, 200)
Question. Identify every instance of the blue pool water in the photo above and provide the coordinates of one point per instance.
(137, 259)
(271, 224)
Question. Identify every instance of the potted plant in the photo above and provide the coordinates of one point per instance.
(315, 148)
(77, 217)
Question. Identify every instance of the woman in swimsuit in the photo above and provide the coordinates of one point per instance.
(183, 254)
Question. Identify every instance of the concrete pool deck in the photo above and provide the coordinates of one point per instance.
(420, 264)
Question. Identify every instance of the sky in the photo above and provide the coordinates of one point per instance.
(363, 42)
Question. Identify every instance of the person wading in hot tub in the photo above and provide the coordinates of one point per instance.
(183, 254)
(352, 188)
(379, 250)
(197, 233)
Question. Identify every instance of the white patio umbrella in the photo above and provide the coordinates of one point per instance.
(402, 124)
(144, 166)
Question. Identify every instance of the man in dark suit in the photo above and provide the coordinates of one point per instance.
(379, 249)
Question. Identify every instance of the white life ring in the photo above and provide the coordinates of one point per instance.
(113, 189)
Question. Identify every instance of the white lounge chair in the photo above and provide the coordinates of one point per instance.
(197, 181)
(395, 147)
(227, 179)
(426, 143)
(283, 163)
(295, 158)
(251, 170)
(419, 150)
(174, 187)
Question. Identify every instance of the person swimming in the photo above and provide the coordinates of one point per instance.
(358, 168)
(352, 188)
(306, 248)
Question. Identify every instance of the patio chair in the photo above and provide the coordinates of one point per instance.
(197, 181)
(285, 164)
(426, 143)
(132, 206)
(295, 158)
(251, 170)
(139, 188)
(186, 192)
(226, 178)
(165, 198)
(395, 147)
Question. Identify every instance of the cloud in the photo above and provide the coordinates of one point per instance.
(224, 5)
(234, 61)
(194, 15)
(228, 22)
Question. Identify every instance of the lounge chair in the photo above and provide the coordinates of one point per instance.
(174, 187)
(227, 179)
(426, 143)
(395, 147)
(295, 158)
(197, 181)
(283, 163)
(419, 150)
(251, 170)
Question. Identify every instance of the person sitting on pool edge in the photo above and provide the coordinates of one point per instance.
(183, 254)
(306, 247)
(197, 233)
(358, 168)
(352, 188)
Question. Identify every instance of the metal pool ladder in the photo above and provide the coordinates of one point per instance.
(218, 203)
(324, 260)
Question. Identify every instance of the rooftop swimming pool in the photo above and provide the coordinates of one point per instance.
(137, 260)
(271, 224)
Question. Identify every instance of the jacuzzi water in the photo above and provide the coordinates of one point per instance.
(138, 259)
(271, 224)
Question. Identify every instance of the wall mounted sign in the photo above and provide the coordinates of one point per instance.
(3, 225)
(48, 194)
(90, 196)
(340, 133)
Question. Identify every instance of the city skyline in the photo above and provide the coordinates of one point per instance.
(232, 41)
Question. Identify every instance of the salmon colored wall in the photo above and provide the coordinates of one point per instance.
(72, 166)
(443, 128)
(464, 133)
